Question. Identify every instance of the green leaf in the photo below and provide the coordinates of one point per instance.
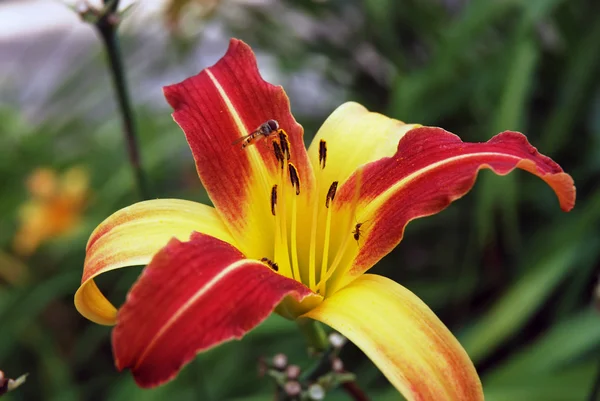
(563, 344)
(572, 384)
(518, 304)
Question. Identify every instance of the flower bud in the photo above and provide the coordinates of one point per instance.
(292, 372)
(337, 340)
(292, 388)
(316, 392)
(280, 361)
(337, 365)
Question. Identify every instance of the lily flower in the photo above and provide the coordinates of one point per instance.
(292, 230)
(54, 209)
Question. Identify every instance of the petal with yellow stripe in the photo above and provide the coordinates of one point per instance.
(404, 338)
(131, 237)
(218, 107)
(430, 169)
(193, 296)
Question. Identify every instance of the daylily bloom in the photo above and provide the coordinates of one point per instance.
(292, 231)
(54, 209)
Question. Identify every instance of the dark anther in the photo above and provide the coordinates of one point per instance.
(294, 179)
(322, 153)
(331, 193)
(273, 199)
(278, 153)
(285, 144)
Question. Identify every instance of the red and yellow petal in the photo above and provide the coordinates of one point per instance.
(131, 237)
(354, 136)
(403, 337)
(431, 169)
(217, 107)
(192, 296)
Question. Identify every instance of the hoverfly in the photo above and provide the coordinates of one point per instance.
(264, 131)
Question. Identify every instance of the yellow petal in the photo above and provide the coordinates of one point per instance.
(354, 136)
(403, 337)
(131, 236)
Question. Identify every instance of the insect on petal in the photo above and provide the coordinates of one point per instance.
(431, 169)
(219, 106)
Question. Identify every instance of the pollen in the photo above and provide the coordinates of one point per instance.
(322, 153)
(278, 154)
(294, 178)
(284, 142)
(273, 199)
(331, 193)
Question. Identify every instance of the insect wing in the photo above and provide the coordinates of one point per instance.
(243, 138)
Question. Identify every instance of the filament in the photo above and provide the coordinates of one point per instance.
(295, 267)
(325, 250)
(326, 274)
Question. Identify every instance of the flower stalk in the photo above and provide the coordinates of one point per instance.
(327, 373)
(314, 334)
(106, 25)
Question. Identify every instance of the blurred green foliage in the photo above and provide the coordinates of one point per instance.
(504, 268)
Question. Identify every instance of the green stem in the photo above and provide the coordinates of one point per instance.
(595, 391)
(107, 27)
(315, 335)
(355, 392)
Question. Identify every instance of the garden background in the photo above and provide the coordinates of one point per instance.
(509, 273)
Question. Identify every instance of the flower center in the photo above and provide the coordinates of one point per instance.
(321, 254)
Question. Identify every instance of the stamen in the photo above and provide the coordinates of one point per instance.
(313, 239)
(273, 199)
(278, 153)
(285, 256)
(330, 197)
(327, 235)
(285, 144)
(280, 251)
(331, 193)
(270, 263)
(322, 153)
(294, 179)
(293, 237)
(326, 274)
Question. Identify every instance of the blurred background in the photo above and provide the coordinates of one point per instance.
(509, 273)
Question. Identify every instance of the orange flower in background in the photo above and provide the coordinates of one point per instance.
(54, 208)
(293, 231)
